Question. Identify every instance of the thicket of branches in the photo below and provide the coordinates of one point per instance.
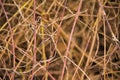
(59, 40)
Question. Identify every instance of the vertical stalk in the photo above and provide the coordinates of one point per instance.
(11, 36)
(70, 38)
(43, 50)
(104, 50)
(34, 36)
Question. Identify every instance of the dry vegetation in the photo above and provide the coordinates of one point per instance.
(59, 40)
